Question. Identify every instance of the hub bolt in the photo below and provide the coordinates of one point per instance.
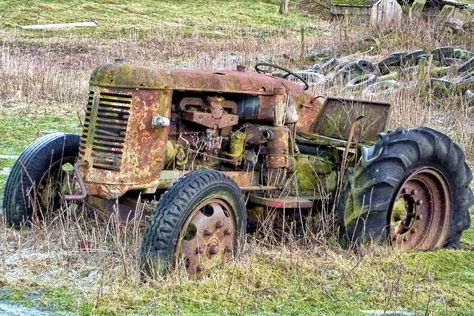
(227, 232)
(199, 250)
(413, 192)
(198, 269)
(207, 232)
(419, 202)
(213, 249)
(219, 224)
(227, 249)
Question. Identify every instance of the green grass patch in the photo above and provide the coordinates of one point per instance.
(20, 131)
(120, 17)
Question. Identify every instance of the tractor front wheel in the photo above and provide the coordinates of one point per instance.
(411, 188)
(198, 224)
(38, 178)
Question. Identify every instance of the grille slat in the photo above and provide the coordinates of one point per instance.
(109, 126)
(112, 123)
(116, 97)
(109, 139)
(111, 131)
(113, 107)
(103, 147)
(112, 115)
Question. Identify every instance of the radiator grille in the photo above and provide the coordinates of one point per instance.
(113, 111)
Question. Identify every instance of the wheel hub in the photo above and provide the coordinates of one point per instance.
(53, 185)
(421, 211)
(208, 236)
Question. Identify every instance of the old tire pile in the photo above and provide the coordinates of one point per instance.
(450, 70)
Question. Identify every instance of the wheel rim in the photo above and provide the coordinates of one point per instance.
(421, 211)
(208, 238)
(52, 186)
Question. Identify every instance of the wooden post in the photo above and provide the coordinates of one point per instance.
(284, 7)
(303, 49)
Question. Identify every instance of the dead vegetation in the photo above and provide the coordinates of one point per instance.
(89, 266)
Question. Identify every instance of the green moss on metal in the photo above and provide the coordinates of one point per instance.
(171, 151)
(334, 125)
(237, 144)
(314, 174)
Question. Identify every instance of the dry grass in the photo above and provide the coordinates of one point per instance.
(48, 265)
(88, 266)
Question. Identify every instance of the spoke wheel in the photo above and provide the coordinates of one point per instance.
(208, 237)
(421, 212)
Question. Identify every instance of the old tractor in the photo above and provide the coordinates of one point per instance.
(212, 147)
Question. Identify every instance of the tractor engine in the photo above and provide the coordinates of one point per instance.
(215, 132)
(146, 127)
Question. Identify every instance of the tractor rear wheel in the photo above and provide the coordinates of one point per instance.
(199, 223)
(411, 188)
(35, 183)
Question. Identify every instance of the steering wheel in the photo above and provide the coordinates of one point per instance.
(286, 75)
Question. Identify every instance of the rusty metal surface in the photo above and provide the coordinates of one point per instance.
(125, 152)
(421, 214)
(281, 202)
(125, 209)
(242, 178)
(140, 146)
(308, 115)
(120, 75)
(82, 194)
(212, 114)
(337, 115)
(277, 150)
(168, 177)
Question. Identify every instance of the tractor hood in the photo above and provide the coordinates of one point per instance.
(122, 75)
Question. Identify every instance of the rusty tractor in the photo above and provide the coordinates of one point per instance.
(214, 146)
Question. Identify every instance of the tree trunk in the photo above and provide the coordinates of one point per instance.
(284, 7)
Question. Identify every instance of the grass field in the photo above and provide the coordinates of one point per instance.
(43, 86)
(119, 17)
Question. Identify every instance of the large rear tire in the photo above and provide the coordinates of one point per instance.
(411, 188)
(200, 221)
(33, 185)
